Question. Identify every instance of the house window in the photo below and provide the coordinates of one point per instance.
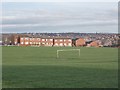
(56, 44)
(61, 40)
(43, 39)
(22, 38)
(51, 39)
(15, 42)
(65, 44)
(69, 44)
(61, 44)
(55, 40)
(26, 38)
(26, 42)
(30, 42)
(69, 40)
(22, 42)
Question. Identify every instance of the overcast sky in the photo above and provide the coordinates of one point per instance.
(83, 17)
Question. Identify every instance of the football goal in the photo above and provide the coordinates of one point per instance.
(73, 51)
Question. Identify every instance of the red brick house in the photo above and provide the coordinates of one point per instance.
(46, 41)
(94, 44)
(80, 42)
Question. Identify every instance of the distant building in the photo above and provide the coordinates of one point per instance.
(46, 41)
(61, 39)
(80, 42)
(94, 44)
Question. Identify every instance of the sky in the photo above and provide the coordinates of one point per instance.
(57, 17)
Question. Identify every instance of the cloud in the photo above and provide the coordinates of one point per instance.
(66, 16)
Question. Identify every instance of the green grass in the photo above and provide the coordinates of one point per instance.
(38, 67)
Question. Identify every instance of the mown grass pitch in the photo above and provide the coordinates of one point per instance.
(38, 67)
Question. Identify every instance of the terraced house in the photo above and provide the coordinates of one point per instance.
(42, 41)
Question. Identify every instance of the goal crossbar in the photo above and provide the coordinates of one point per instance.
(68, 50)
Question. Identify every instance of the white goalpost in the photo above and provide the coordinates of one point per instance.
(68, 50)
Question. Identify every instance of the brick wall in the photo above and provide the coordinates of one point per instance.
(80, 42)
(94, 44)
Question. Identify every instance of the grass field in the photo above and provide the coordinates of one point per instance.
(38, 67)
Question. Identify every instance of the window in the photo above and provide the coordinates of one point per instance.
(46, 39)
(65, 44)
(30, 42)
(26, 38)
(22, 38)
(69, 44)
(55, 40)
(69, 40)
(30, 38)
(61, 40)
(26, 42)
(56, 44)
(51, 39)
(43, 39)
(61, 44)
(22, 42)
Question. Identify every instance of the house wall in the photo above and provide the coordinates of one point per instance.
(34, 41)
(68, 42)
(47, 42)
(80, 42)
(24, 41)
(94, 44)
(28, 41)
(62, 42)
(15, 40)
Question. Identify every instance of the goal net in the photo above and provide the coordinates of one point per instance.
(68, 53)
